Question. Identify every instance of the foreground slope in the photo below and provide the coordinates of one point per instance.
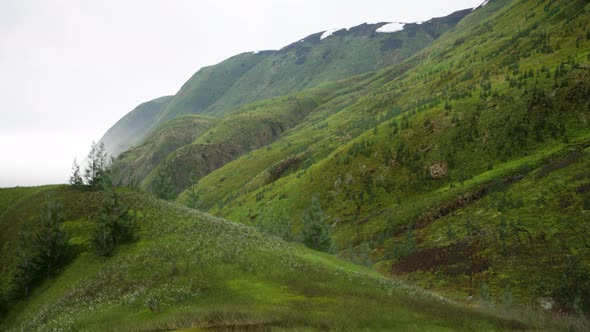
(192, 270)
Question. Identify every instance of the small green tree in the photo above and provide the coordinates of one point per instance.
(316, 232)
(102, 238)
(408, 247)
(115, 224)
(26, 264)
(97, 167)
(76, 180)
(50, 241)
(162, 187)
(194, 194)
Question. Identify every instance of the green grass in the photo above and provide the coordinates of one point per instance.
(502, 104)
(484, 138)
(138, 162)
(198, 271)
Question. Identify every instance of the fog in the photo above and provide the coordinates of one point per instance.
(70, 68)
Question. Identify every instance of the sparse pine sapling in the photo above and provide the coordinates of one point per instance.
(115, 224)
(51, 241)
(365, 255)
(194, 194)
(102, 238)
(316, 231)
(26, 264)
(97, 166)
(76, 180)
(163, 187)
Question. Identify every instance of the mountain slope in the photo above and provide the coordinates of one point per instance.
(133, 127)
(419, 165)
(209, 84)
(136, 163)
(249, 77)
(312, 60)
(499, 97)
(191, 270)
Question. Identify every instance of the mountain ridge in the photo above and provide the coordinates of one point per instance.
(253, 76)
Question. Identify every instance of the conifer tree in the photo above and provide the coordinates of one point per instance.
(163, 187)
(26, 264)
(97, 168)
(76, 180)
(316, 232)
(194, 194)
(50, 241)
(115, 224)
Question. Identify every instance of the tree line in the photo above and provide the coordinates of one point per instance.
(43, 247)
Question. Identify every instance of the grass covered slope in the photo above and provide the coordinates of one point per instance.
(500, 96)
(529, 237)
(192, 270)
(209, 84)
(136, 163)
(249, 77)
(250, 127)
(345, 53)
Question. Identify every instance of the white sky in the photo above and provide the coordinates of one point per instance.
(69, 69)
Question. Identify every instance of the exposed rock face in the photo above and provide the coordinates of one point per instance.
(439, 170)
(546, 303)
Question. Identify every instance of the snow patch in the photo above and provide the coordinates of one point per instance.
(483, 4)
(391, 27)
(328, 33)
(255, 52)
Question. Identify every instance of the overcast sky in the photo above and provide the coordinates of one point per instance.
(69, 69)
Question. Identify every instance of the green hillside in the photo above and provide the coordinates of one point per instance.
(248, 77)
(136, 163)
(312, 60)
(501, 97)
(191, 270)
(209, 84)
(455, 163)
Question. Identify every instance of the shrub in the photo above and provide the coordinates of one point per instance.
(316, 232)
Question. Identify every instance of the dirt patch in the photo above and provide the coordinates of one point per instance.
(438, 170)
(454, 259)
(289, 164)
(445, 209)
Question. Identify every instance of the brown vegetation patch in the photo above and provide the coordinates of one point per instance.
(445, 209)
(289, 164)
(454, 259)
(438, 170)
(559, 164)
